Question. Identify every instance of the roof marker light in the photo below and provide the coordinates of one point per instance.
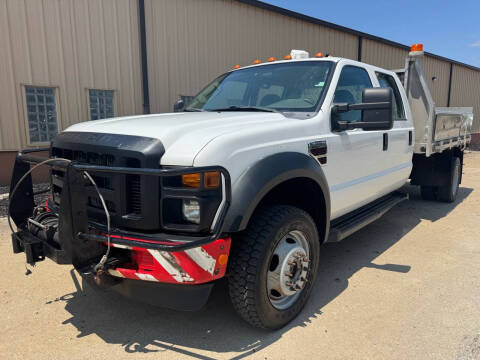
(319, 55)
(288, 57)
(271, 58)
(416, 50)
(256, 61)
(237, 66)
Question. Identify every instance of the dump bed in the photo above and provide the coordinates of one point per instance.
(436, 128)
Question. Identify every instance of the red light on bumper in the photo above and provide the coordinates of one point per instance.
(193, 266)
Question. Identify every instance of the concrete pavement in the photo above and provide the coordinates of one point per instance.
(405, 287)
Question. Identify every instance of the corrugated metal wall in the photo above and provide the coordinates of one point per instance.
(190, 42)
(72, 45)
(466, 92)
(391, 57)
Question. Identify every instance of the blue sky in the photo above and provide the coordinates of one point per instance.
(449, 28)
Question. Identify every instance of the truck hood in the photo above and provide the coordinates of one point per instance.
(183, 135)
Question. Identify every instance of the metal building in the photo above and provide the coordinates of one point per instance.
(76, 60)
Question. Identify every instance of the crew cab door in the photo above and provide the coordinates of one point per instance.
(357, 160)
(399, 148)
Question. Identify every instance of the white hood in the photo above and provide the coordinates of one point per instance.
(182, 134)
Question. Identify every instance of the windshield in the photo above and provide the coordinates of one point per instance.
(290, 87)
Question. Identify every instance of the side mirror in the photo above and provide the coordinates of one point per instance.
(182, 102)
(179, 105)
(376, 107)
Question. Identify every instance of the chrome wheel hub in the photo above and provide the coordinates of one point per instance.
(288, 270)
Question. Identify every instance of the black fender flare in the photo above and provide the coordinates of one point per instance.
(263, 176)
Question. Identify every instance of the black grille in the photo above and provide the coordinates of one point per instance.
(132, 200)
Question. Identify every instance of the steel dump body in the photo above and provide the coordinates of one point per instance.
(436, 128)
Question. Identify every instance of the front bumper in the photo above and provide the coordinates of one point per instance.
(158, 257)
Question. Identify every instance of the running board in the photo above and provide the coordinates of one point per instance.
(348, 224)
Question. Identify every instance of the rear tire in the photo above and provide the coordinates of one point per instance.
(448, 192)
(429, 192)
(270, 278)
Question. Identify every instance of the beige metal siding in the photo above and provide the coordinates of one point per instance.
(72, 45)
(391, 57)
(440, 70)
(190, 42)
(383, 55)
(466, 91)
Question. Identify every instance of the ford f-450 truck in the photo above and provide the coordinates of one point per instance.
(264, 165)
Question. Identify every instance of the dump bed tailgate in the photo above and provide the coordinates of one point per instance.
(436, 128)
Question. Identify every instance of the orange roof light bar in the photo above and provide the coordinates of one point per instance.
(416, 47)
(256, 61)
(271, 58)
(319, 55)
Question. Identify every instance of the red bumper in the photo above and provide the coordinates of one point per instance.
(193, 266)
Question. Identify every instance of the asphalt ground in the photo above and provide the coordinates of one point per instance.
(404, 287)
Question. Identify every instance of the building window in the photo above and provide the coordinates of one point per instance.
(101, 104)
(42, 114)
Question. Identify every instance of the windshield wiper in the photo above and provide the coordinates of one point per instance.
(193, 110)
(245, 108)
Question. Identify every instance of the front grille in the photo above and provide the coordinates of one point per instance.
(104, 181)
(133, 201)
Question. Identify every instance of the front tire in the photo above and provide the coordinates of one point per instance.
(273, 266)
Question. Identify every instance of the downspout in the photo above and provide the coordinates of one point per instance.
(450, 84)
(359, 50)
(143, 54)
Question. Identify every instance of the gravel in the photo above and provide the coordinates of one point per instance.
(39, 199)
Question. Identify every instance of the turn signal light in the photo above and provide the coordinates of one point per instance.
(191, 180)
(319, 55)
(211, 179)
(270, 59)
(416, 47)
(237, 66)
(223, 259)
(288, 57)
(256, 61)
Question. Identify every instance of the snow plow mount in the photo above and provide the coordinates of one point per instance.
(80, 241)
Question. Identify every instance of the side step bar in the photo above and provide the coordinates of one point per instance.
(349, 223)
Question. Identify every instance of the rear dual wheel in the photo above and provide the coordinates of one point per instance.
(447, 192)
(273, 266)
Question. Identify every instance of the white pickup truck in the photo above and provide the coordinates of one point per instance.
(266, 164)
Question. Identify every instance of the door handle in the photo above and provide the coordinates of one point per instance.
(410, 138)
(385, 141)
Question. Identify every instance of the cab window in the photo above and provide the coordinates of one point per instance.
(387, 81)
(353, 80)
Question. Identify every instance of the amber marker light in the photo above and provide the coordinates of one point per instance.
(319, 55)
(223, 259)
(288, 57)
(191, 180)
(211, 179)
(271, 58)
(237, 66)
(416, 47)
(256, 61)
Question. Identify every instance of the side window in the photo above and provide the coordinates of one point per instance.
(387, 81)
(101, 104)
(349, 89)
(41, 114)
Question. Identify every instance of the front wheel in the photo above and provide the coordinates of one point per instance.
(273, 266)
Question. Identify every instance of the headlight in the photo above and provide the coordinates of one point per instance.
(191, 210)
